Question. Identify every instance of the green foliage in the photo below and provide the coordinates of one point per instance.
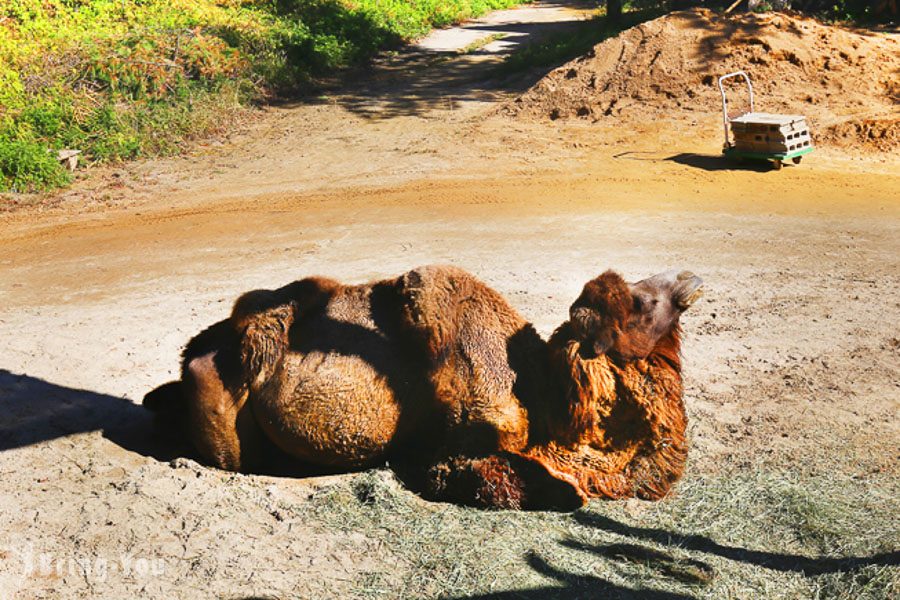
(118, 79)
(857, 11)
(860, 11)
(28, 165)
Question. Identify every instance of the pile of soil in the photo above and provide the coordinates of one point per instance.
(844, 81)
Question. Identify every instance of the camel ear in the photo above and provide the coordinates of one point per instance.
(584, 319)
(592, 329)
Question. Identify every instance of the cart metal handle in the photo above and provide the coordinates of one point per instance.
(725, 100)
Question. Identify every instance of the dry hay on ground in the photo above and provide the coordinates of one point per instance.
(844, 81)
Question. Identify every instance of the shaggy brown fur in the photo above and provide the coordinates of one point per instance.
(509, 481)
(623, 433)
(436, 370)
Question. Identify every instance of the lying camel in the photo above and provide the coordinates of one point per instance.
(437, 373)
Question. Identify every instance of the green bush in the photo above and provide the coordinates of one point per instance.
(118, 79)
(26, 165)
(859, 11)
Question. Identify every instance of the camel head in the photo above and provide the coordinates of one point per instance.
(622, 430)
(626, 321)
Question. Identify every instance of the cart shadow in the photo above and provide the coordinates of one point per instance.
(717, 162)
(706, 162)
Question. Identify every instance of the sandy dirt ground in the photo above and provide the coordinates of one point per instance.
(792, 356)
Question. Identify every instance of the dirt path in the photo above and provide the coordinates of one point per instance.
(398, 120)
(791, 358)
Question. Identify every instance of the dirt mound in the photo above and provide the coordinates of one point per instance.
(844, 81)
(881, 134)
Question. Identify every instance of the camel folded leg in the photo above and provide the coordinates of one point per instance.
(502, 481)
(652, 474)
(215, 416)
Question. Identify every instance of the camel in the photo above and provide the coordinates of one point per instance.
(436, 373)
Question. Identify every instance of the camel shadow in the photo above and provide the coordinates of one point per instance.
(770, 560)
(668, 568)
(37, 411)
(574, 586)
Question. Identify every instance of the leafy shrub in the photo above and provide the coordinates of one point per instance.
(861, 11)
(118, 79)
(28, 165)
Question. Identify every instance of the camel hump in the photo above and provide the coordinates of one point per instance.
(262, 320)
(304, 295)
(431, 296)
(442, 301)
(441, 285)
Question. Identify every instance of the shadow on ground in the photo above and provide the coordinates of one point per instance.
(717, 162)
(575, 586)
(415, 80)
(36, 411)
(770, 560)
(668, 569)
(705, 162)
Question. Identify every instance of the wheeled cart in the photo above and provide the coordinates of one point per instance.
(763, 136)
